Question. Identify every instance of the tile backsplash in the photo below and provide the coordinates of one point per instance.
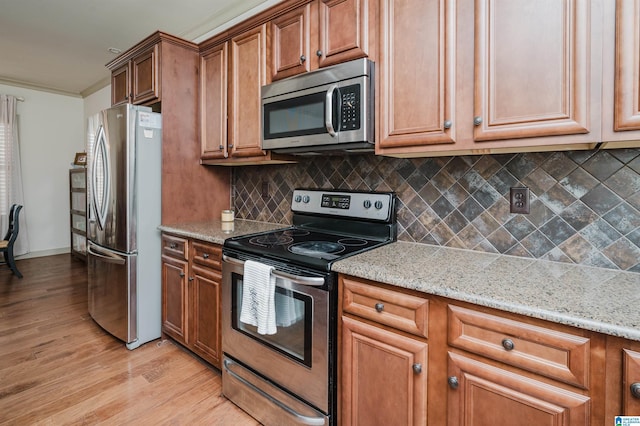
(585, 205)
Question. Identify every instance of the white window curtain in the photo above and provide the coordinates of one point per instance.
(10, 172)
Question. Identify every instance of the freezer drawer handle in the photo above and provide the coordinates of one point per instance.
(306, 420)
(107, 257)
(310, 281)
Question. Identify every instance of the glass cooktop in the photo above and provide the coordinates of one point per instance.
(301, 246)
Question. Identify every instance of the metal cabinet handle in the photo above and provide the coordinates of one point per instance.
(190, 279)
(379, 307)
(205, 255)
(417, 368)
(181, 274)
(303, 58)
(477, 121)
(173, 245)
(221, 147)
(635, 390)
(230, 145)
(508, 344)
(453, 382)
(447, 124)
(318, 53)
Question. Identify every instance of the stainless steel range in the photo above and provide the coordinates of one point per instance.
(287, 375)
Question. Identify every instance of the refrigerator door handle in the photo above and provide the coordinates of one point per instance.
(101, 178)
(109, 257)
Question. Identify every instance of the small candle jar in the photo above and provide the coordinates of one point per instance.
(227, 227)
(226, 216)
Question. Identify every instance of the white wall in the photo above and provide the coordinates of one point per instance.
(51, 131)
(96, 102)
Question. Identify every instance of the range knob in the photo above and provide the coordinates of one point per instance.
(367, 204)
(306, 199)
(378, 205)
(298, 198)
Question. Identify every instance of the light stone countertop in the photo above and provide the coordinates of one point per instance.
(213, 231)
(597, 299)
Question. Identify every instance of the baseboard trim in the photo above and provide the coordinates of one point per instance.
(43, 253)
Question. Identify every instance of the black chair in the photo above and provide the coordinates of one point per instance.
(6, 245)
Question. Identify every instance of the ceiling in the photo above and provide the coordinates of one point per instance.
(62, 45)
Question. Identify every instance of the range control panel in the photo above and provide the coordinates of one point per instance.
(356, 205)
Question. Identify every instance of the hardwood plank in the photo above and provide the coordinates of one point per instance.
(57, 366)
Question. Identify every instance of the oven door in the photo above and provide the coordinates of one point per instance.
(297, 357)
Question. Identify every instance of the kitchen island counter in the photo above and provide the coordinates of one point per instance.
(597, 299)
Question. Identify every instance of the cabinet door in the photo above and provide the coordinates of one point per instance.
(627, 84)
(483, 395)
(205, 314)
(144, 68)
(290, 43)
(120, 88)
(343, 30)
(532, 68)
(248, 75)
(174, 298)
(383, 377)
(416, 73)
(213, 108)
(621, 73)
(631, 383)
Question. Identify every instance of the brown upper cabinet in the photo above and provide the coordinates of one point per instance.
(136, 80)
(318, 34)
(162, 71)
(621, 74)
(232, 71)
(480, 76)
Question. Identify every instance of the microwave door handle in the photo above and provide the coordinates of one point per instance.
(328, 110)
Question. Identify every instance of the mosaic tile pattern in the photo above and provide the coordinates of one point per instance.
(585, 205)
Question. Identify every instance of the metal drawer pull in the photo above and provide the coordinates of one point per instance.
(310, 281)
(508, 344)
(417, 368)
(173, 245)
(181, 274)
(305, 420)
(379, 307)
(453, 382)
(205, 255)
(635, 390)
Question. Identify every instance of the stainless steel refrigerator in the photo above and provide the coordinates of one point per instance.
(124, 161)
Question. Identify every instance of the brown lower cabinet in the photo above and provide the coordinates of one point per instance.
(191, 280)
(482, 367)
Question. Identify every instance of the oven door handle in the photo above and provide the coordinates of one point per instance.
(305, 420)
(297, 279)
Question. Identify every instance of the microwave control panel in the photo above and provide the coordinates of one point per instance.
(350, 107)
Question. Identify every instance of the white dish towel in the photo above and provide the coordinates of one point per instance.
(258, 297)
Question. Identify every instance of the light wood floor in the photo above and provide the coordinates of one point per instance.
(58, 367)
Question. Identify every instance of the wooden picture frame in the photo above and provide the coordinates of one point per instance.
(81, 159)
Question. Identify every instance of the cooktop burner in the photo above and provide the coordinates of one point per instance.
(316, 248)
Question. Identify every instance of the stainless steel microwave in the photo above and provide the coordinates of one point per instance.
(330, 109)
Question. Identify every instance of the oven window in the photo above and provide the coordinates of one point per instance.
(294, 316)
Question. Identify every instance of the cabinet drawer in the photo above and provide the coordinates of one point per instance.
(174, 247)
(387, 307)
(544, 351)
(208, 255)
